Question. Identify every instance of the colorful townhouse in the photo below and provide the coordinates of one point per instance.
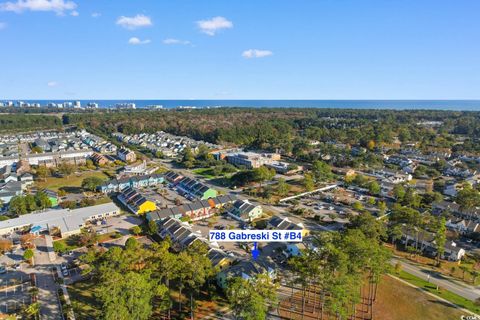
(182, 237)
(244, 211)
(197, 210)
(135, 202)
(280, 223)
(194, 189)
(126, 155)
(117, 185)
(173, 177)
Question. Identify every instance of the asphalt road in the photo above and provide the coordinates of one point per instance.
(462, 289)
(47, 288)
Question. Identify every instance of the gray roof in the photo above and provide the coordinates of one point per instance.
(65, 219)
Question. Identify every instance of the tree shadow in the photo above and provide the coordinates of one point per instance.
(77, 190)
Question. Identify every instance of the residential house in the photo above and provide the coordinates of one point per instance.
(182, 237)
(197, 210)
(425, 242)
(192, 189)
(281, 223)
(26, 179)
(245, 211)
(135, 202)
(463, 226)
(23, 166)
(99, 159)
(117, 185)
(10, 189)
(126, 155)
(245, 269)
(139, 169)
(173, 177)
(456, 210)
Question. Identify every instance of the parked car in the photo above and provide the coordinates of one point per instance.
(63, 266)
(3, 269)
(65, 273)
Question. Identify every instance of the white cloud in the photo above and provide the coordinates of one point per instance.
(57, 6)
(136, 41)
(176, 41)
(213, 25)
(3, 25)
(74, 13)
(138, 21)
(255, 53)
(52, 83)
(96, 15)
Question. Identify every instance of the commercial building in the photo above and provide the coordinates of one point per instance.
(67, 221)
(252, 160)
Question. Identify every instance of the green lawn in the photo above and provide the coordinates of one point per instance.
(82, 295)
(70, 183)
(205, 172)
(445, 294)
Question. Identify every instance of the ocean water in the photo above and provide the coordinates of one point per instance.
(458, 105)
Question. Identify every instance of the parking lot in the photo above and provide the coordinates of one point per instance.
(222, 222)
(121, 224)
(15, 287)
(163, 196)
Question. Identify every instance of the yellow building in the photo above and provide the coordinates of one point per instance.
(146, 206)
(135, 202)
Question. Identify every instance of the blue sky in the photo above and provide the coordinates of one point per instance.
(232, 49)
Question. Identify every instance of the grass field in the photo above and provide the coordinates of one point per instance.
(84, 303)
(70, 183)
(204, 172)
(398, 301)
(447, 295)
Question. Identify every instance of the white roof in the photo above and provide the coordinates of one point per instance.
(65, 219)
